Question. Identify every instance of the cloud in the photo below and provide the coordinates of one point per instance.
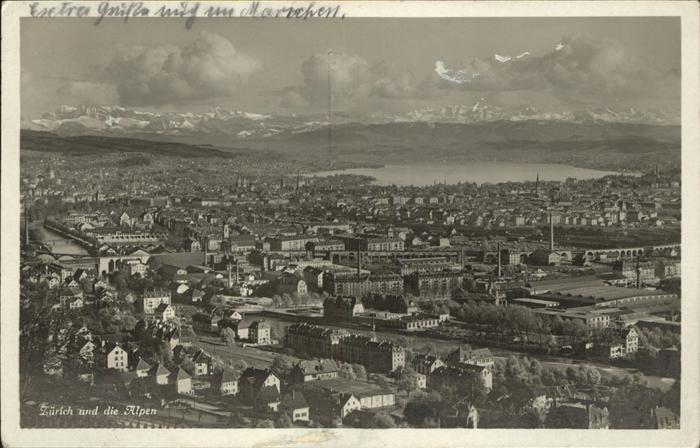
(351, 80)
(580, 68)
(89, 92)
(348, 77)
(209, 67)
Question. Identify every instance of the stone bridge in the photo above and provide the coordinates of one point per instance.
(632, 252)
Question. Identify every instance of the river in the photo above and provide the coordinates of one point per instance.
(63, 247)
(479, 172)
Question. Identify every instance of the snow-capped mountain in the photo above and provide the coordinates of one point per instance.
(482, 111)
(117, 120)
(120, 120)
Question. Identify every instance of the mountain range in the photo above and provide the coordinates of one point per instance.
(241, 125)
(604, 139)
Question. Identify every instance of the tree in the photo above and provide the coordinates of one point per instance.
(264, 423)
(228, 335)
(347, 372)
(383, 420)
(406, 379)
(284, 421)
(282, 366)
(360, 371)
(336, 423)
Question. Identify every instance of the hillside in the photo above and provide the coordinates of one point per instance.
(95, 145)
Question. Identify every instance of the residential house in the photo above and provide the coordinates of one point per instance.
(321, 369)
(151, 299)
(578, 416)
(225, 382)
(164, 312)
(202, 363)
(426, 364)
(253, 380)
(181, 381)
(142, 368)
(259, 332)
(267, 399)
(664, 418)
(160, 374)
(295, 404)
(112, 356)
(465, 354)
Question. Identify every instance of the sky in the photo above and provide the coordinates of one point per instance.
(374, 65)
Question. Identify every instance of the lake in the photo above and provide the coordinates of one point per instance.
(479, 172)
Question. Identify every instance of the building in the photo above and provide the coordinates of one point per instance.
(295, 404)
(112, 356)
(625, 344)
(164, 312)
(545, 257)
(426, 364)
(259, 332)
(181, 381)
(578, 416)
(664, 418)
(160, 374)
(433, 284)
(341, 308)
(375, 356)
(291, 244)
(368, 395)
(252, 382)
(321, 369)
(408, 266)
(362, 284)
(225, 382)
(325, 246)
(628, 269)
(207, 323)
(465, 354)
(458, 375)
(327, 407)
(374, 244)
(313, 340)
(151, 299)
(202, 363)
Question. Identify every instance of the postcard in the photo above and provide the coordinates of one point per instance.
(426, 224)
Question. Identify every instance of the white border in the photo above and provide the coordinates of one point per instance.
(689, 436)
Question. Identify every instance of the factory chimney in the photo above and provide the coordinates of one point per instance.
(551, 233)
(359, 260)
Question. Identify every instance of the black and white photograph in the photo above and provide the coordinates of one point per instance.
(272, 216)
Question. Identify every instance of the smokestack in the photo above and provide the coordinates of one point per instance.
(359, 260)
(551, 233)
(461, 256)
(498, 248)
(638, 271)
(228, 271)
